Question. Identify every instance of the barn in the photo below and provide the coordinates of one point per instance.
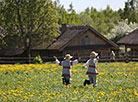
(80, 41)
(130, 42)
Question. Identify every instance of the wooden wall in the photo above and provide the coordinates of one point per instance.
(86, 52)
(134, 50)
(88, 38)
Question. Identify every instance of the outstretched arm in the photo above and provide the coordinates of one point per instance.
(57, 61)
(76, 61)
(85, 64)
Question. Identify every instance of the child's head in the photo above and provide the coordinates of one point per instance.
(93, 54)
(68, 57)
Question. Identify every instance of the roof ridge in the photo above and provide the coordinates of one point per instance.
(130, 38)
(77, 27)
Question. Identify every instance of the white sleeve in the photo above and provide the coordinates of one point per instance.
(86, 63)
(75, 62)
(95, 61)
(58, 62)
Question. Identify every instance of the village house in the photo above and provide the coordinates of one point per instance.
(79, 41)
(130, 42)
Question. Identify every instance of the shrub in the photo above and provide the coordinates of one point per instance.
(38, 60)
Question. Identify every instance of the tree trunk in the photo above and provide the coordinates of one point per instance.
(26, 44)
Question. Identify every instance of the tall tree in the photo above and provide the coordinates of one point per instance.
(87, 11)
(31, 21)
(86, 19)
(72, 18)
(130, 11)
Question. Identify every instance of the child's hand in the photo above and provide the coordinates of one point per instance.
(97, 57)
(79, 58)
(55, 57)
(83, 66)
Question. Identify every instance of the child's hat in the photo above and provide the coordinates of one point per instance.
(68, 56)
(93, 54)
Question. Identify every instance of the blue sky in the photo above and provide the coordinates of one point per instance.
(81, 5)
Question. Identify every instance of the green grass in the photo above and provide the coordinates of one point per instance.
(117, 82)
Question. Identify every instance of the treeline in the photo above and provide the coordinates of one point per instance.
(103, 21)
(26, 24)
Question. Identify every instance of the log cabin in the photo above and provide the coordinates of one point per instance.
(80, 41)
(130, 41)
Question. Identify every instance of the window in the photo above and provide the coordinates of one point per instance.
(86, 36)
(85, 40)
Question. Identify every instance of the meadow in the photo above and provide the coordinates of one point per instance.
(117, 82)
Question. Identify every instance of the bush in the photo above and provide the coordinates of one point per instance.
(38, 60)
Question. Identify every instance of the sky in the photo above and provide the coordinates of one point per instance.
(81, 5)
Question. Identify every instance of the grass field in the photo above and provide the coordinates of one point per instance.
(117, 82)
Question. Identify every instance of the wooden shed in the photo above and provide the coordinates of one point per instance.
(130, 42)
(80, 41)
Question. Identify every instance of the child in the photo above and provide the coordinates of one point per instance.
(67, 63)
(112, 56)
(92, 69)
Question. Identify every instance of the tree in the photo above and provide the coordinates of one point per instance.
(31, 21)
(62, 15)
(72, 17)
(104, 20)
(87, 11)
(122, 29)
(130, 11)
(86, 19)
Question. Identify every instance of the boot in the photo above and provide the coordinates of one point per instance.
(63, 80)
(86, 82)
(67, 82)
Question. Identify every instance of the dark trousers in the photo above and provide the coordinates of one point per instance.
(66, 80)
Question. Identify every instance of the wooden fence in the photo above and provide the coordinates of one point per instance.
(23, 60)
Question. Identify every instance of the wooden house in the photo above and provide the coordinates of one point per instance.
(76, 40)
(80, 41)
(130, 42)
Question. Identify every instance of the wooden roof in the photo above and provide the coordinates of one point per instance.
(131, 39)
(72, 33)
(64, 39)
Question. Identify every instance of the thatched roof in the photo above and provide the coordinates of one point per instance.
(72, 33)
(131, 39)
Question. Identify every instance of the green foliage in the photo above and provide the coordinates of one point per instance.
(86, 19)
(103, 21)
(130, 11)
(37, 19)
(38, 60)
(121, 30)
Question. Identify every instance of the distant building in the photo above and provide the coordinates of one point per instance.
(130, 41)
(80, 41)
(76, 40)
